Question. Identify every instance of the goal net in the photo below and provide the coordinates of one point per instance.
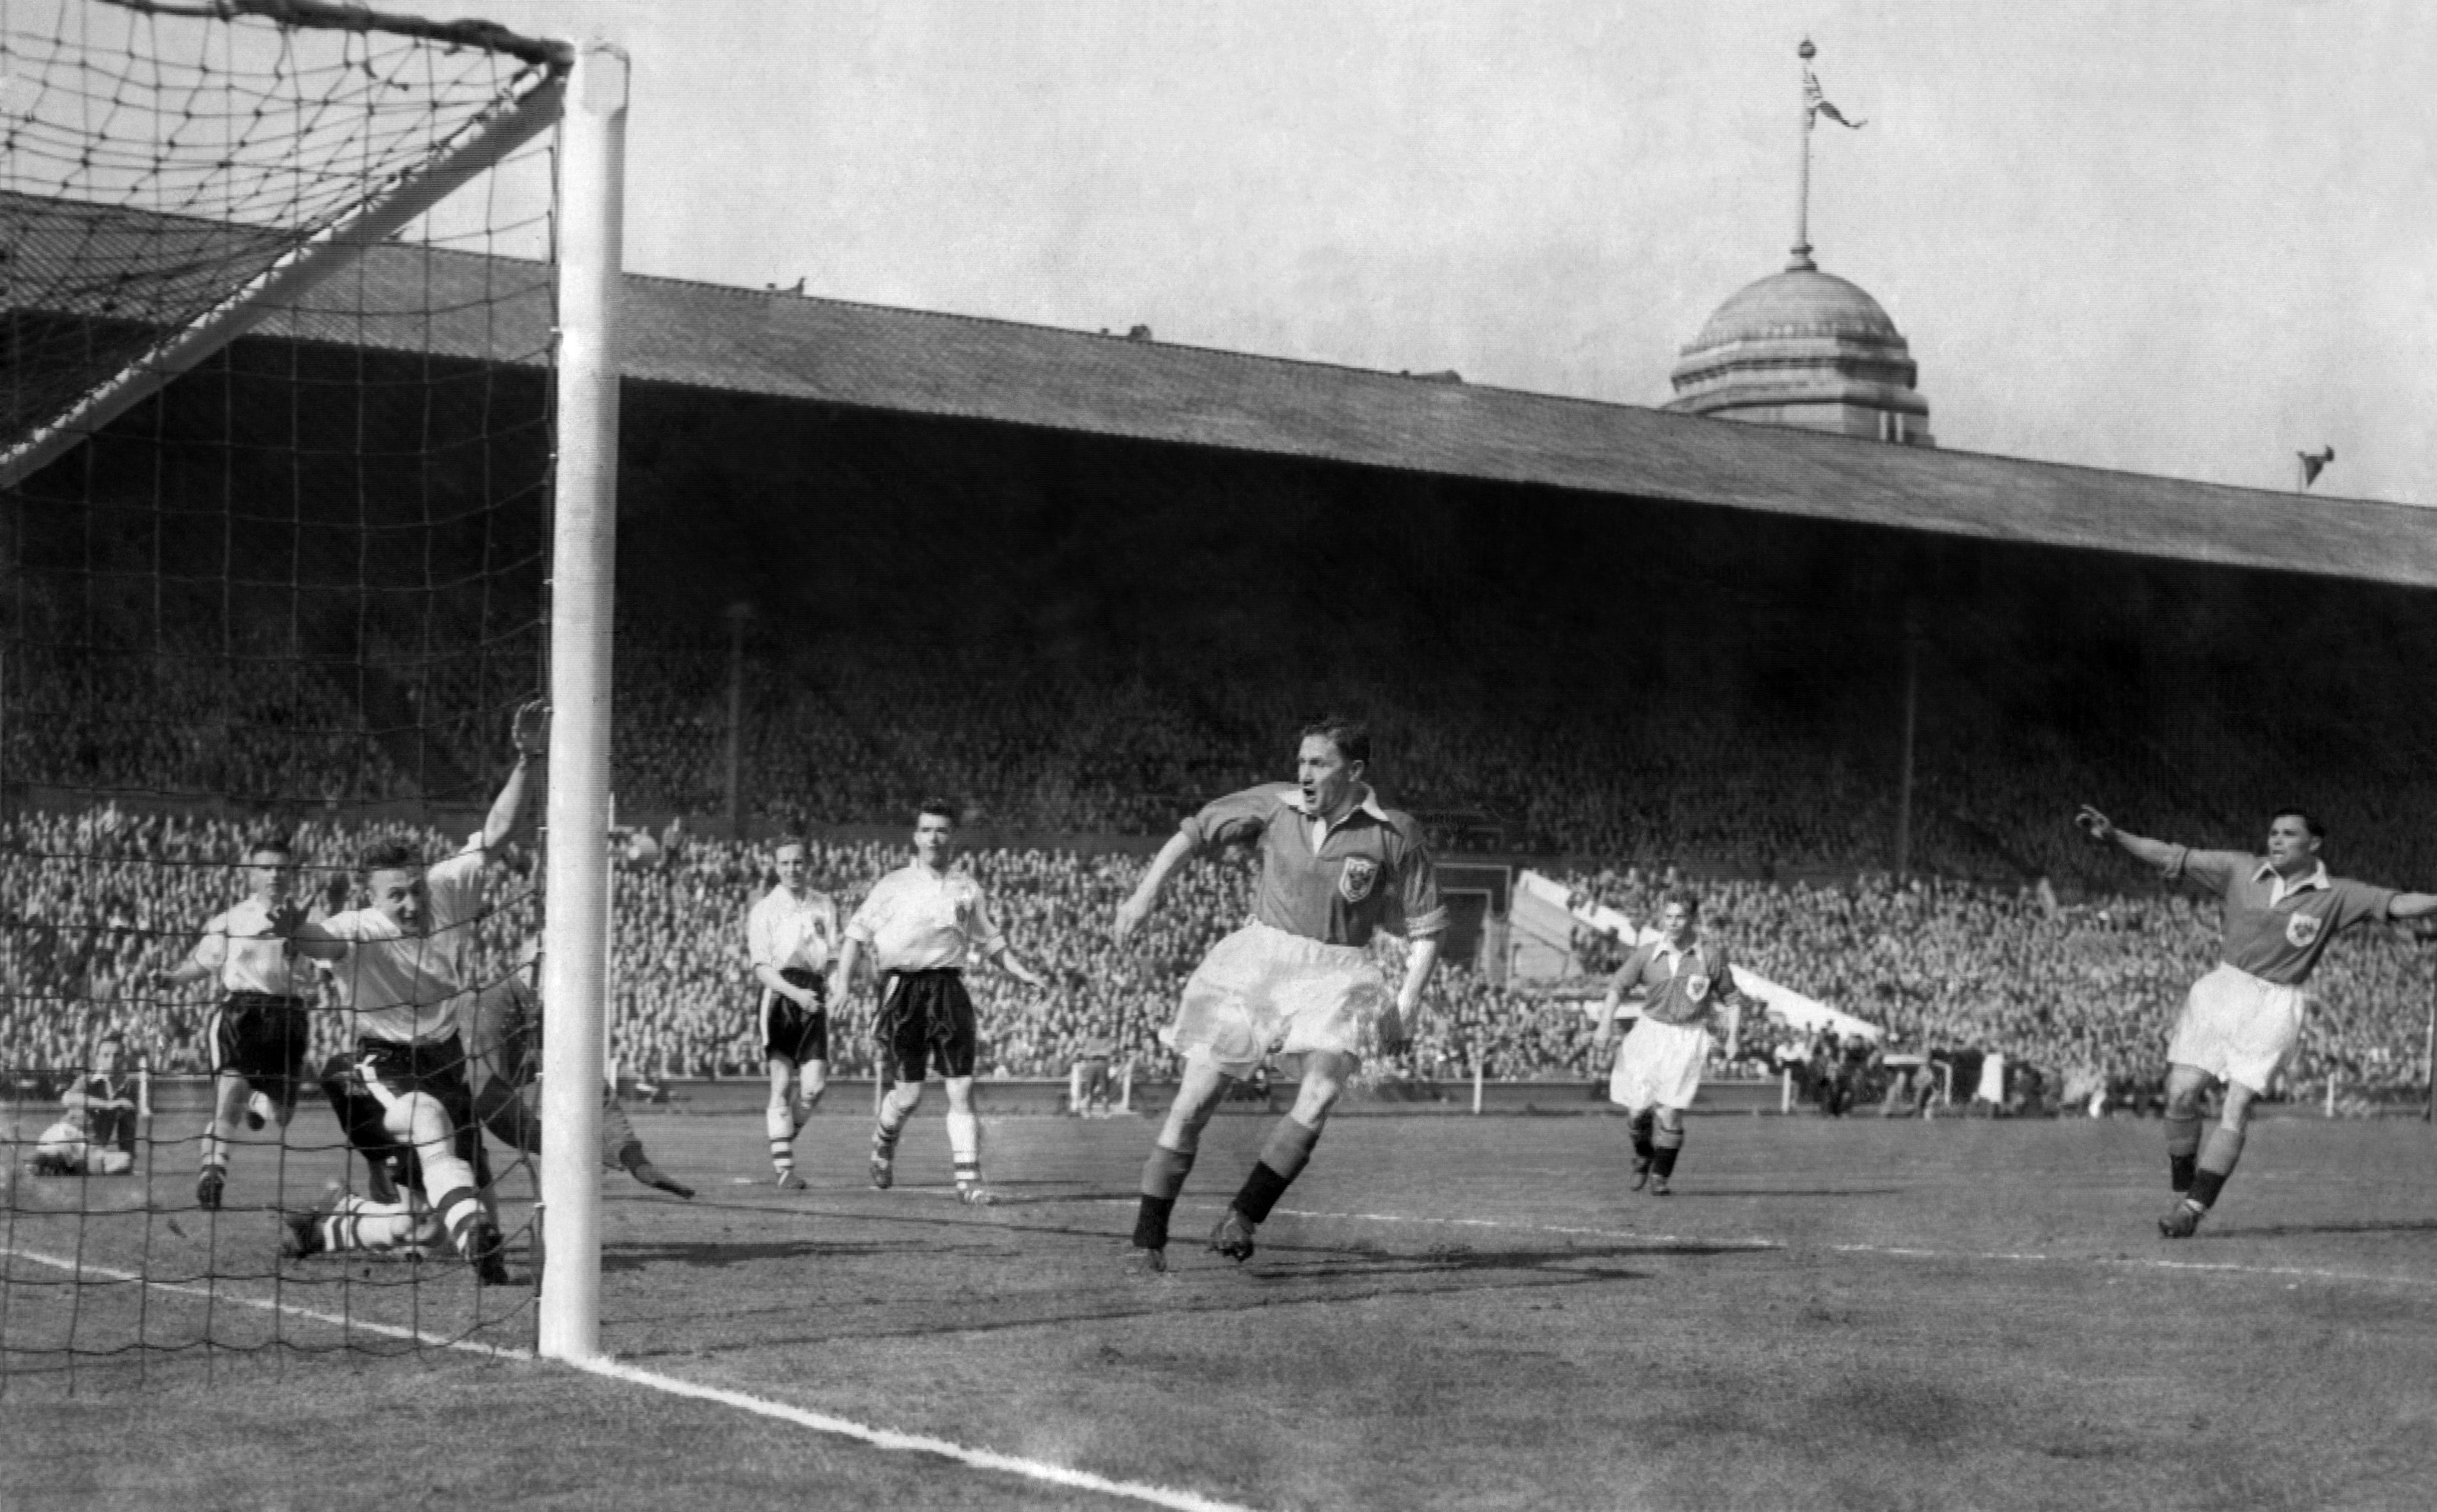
(276, 467)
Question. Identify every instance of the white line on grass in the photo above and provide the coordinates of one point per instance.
(819, 1422)
(268, 1305)
(914, 1443)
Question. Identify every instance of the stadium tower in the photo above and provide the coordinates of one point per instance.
(1805, 348)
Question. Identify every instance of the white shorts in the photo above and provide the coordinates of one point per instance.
(1261, 992)
(2238, 1028)
(1660, 1064)
(65, 1142)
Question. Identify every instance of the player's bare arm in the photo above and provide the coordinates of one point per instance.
(800, 997)
(1145, 897)
(842, 970)
(2412, 906)
(2100, 829)
(1007, 960)
(1403, 1018)
(530, 735)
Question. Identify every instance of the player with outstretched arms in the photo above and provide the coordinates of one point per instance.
(402, 969)
(789, 937)
(2241, 1020)
(258, 1035)
(922, 924)
(1681, 978)
(1336, 868)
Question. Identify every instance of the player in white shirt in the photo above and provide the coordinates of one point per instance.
(258, 1035)
(400, 965)
(921, 923)
(790, 936)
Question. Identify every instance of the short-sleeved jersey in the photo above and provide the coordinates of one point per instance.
(786, 933)
(2274, 930)
(240, 949)
(403, 989)
(1677, 988)
(919, 921)
(1369, 872)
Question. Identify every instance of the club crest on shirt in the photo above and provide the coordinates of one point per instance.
(1361, 874)
(2301, 929)
(1697, 988)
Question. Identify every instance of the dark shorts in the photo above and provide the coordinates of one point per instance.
(792, 1033)
(262, 1038)
(362, 1113)
(388, 1071)
(925, 1020)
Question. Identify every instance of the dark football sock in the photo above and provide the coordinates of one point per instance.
(1640, 1126)
(2217, 1159)
(1668, 1143)
(2183, 1152)
(1282, 1159)
(1163, 1178)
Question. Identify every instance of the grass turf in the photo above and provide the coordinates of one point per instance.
(1445, 1312)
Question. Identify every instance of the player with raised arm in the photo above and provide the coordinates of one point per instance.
(2241, 1020)
(402, 968)
(790, 936)
(1336, 868)
(258, 1035)
(921, 923)
(1681, 978)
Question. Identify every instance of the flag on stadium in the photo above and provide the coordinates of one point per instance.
(1820, 105)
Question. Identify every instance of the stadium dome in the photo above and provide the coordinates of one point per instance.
(1807, 349)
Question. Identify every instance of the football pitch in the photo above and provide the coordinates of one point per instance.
(1446, 1312)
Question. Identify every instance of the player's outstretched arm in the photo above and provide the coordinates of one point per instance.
(1013, 965)
(2411, 906)
(2102, 829)
(1403, 1019)
(1134, 910)
(531, 736)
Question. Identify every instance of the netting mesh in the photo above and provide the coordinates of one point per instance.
(275, 532)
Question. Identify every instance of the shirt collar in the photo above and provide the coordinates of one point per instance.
(2318, 878)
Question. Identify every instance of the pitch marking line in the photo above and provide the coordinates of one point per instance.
(1899, 1252)
(914, 1443)
(271, 1305)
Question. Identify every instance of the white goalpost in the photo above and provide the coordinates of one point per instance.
(581, 605)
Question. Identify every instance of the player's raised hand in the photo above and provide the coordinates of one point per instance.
(2095, 825)
(530, 731)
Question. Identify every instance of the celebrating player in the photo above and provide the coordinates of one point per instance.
(921, 924)
(1681, 978)
(790, 935)
(1334, 868)
(258, 1035)
(400, 967)
(2241, 1020)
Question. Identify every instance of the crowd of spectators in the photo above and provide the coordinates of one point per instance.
(97, 901)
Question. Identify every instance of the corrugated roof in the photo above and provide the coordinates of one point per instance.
(867, 357)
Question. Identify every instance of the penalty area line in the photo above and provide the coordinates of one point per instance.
(497, 1351)
(912, 1443)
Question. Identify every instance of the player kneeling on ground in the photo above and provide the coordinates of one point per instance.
(95, 1135)
(1681, 980)
(2241, 1020)
(1336, 868)
(398, 967)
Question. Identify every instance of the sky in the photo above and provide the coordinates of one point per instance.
(2137, 234)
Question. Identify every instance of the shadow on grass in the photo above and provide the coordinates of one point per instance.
(722, 1254)
(1680, 1194)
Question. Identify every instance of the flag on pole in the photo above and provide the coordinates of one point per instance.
(1819, 103)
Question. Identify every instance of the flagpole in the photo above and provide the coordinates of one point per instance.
(1802, 262)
